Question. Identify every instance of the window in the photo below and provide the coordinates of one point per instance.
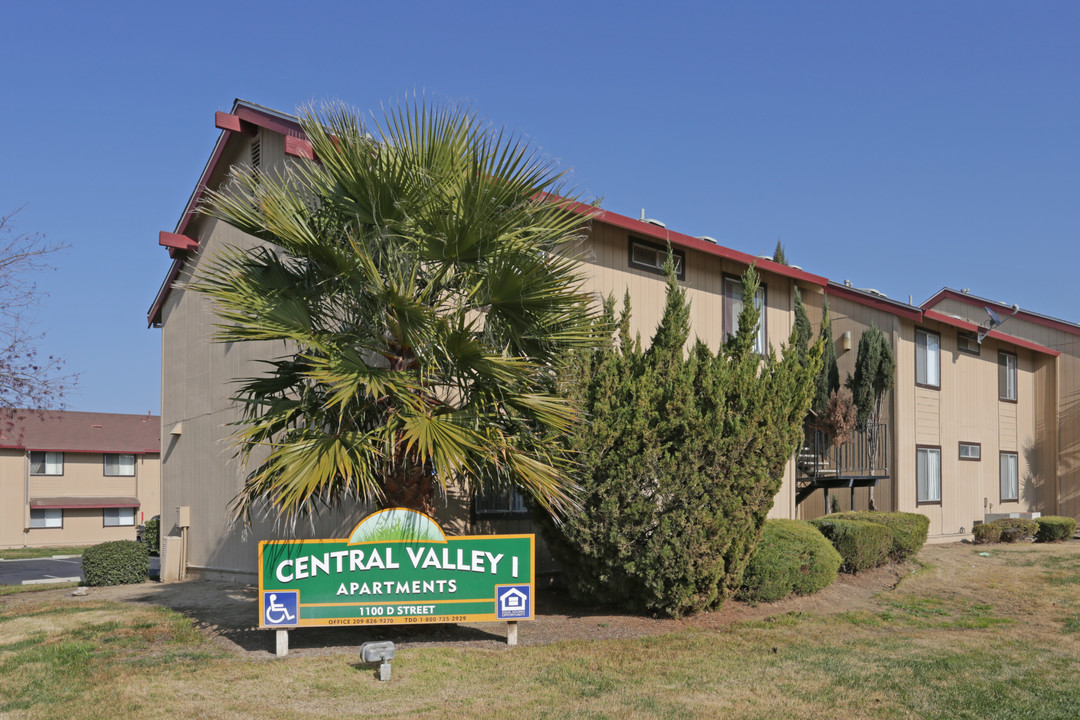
(46, 463)
(967, 342)
(47, 518)
(1007, 376)
(118, 517)
(650, 256)
(506, 502)
(123, 465)
(927, 358)
(928, 475)
(733, 306)
(970, 451)
(1010, 485)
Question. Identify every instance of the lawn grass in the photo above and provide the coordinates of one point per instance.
(965, 637)
(40, 552)
(20, 589)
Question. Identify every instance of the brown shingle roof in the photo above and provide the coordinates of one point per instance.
(80, 431)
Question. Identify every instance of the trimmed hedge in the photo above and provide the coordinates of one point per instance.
(986, 533)
(793, 557)
(152, 535)
(121, 562)
(1016, 529)
(862, 545)
(1054, 528)
(909, 530)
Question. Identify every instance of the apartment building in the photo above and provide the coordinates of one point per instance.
(76, 478)
(956, 444)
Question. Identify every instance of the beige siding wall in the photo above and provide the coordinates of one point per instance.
(13, 514)
(1061, 383)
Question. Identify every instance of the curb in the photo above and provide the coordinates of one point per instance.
(50, 581)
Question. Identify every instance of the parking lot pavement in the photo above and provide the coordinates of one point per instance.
(49, 570)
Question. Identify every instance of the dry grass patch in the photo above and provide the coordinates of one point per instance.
(965, 636)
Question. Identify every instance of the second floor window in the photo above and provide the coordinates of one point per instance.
(46, 463)
(733, 307)
(927, 358)
(1006, 376)
(122, 465)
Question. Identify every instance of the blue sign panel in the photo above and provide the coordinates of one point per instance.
(513, 602)
(281, 608)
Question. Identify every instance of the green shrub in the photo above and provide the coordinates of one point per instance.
(986, 533)
(679, 462)
(1054, 528)
(793, 557)
(862, 545)
(120, 562)
(152, 534)
(1016, 529)
(909, 530)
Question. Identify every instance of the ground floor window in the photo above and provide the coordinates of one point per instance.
(119, 517)
(507, 502)
(47, 518)
(928, 475)
(1010, 480)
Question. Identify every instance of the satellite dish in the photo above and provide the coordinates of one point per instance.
(994, 319)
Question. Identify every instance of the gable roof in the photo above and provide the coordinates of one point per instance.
(996, 335)
(246, 116)
(976, 301)
(66, 431)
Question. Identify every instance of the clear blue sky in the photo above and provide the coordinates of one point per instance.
(903, 146)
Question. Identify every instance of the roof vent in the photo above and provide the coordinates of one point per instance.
(256, 153)
(99, 427)
(708, 239)
(651, 221)
(873, 291)
(847, 283)
(966, 291)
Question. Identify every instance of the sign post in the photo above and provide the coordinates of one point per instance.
(396, 568)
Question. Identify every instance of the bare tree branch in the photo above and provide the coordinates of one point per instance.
(27, 379)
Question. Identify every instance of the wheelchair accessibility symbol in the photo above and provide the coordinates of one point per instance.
(281, 607)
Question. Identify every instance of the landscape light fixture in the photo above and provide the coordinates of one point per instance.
(380, 652)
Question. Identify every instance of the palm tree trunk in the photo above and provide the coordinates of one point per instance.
(411, 487)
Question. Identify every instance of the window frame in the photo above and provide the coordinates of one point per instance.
(926, 383)
(973, 337)
(960, 451)
(105, 517)
(730, 325)
(45, 463)
(661, 250)
(45, 518)
(1001, 476)
(105, 464)
(515, 507)
(928, 448)
(1005, 374)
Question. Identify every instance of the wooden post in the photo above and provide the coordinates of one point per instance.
(511, 632)
(282, 643)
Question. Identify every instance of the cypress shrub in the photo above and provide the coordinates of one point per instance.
(909, 530)
(152, 534)
(121, 562)
(1016, 529)
(793, 557)
(680, 461)
(1054, 528)
(862, 545)
(986, 533)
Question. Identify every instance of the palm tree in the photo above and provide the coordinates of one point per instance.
(425, 282)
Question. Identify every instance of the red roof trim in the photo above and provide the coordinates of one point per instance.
(689, 242)
(299, 147)
(883, 304)
(225, 121)
(176, 242)
(1049, 322)
(972, 327)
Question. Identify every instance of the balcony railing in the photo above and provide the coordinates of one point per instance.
(859, 462)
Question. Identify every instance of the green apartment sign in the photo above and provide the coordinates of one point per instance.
(396, 567)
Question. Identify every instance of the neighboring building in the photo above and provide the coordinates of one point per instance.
(943, 413)
(77, 478)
